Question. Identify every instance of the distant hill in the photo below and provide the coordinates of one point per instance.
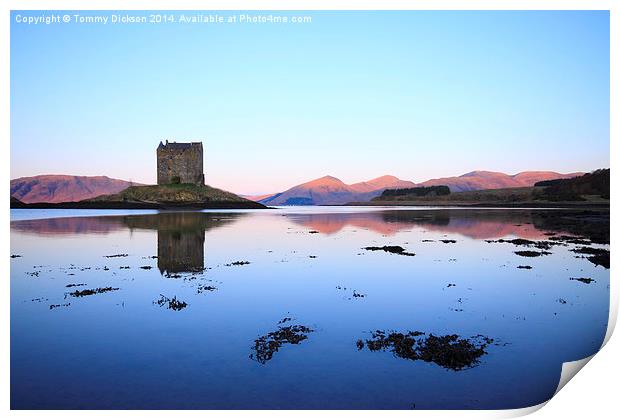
(64, 188)
(329, 190)
(591, 189)
(486, 180)
(255, 197)
(381, 183)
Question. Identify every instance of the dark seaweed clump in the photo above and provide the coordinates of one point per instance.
(174, 303)
(586, 280)
(15, 256)
(393, 249)
(60, 305)
(525, 242)
(448, 351)
(532, 253)
(89, 292)
(146, 267)
(75, 284)
(237, 263)
(597, 256)
(205, 288)
(571, 240)
(448, 241)
(116, 256)
(525, 267)
(265, 346)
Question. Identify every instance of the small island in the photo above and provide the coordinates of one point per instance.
(180, 185)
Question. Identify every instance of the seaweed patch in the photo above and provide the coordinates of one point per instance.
(89, 292)
(267, 345)
(392, 249)
(237, 263)
(448, 351)
(586, 280)
(597, 256)
(173, 304)
(532, 253)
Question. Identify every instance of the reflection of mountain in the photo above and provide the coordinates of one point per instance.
(70, 225)
(591, 224)
(109, 224)
(180, 236)
(334, 222)
(476, 224)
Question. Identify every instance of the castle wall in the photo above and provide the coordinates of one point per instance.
(180, 160)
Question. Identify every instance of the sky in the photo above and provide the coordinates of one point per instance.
(352, 94)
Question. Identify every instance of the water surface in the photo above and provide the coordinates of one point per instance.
(301, 282)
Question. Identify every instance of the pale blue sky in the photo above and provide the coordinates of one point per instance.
(353, 94)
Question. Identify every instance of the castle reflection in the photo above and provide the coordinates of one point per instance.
(180, 237)
(180, 244)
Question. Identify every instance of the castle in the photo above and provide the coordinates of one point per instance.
(180, 163)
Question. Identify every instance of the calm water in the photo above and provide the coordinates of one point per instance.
(127, 347)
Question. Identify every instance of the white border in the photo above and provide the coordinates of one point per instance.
(575, 401)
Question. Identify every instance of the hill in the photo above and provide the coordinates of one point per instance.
(585, 190)
(158, 197)
(329, 190)
(381, 183)
(63, 188)
(486, 180)
(596, 184)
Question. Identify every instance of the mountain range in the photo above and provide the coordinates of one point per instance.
(64, 188)
(329, 190)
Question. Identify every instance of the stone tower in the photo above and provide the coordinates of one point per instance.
(180, 163)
